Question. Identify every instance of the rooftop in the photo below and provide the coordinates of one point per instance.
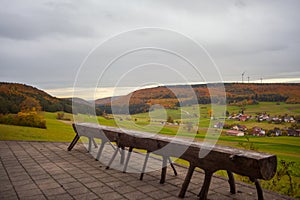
(46, 170)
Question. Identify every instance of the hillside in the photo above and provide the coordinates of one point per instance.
(15, 96)
(170, 96)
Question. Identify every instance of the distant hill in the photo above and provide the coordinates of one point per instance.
(14, 96)
(106, 100)
(173, 96)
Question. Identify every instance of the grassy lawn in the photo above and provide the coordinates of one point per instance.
(268, 107)
(57, 131)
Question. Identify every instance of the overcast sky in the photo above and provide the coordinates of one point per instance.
(43, 43)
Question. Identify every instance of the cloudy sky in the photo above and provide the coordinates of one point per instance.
(50, 44)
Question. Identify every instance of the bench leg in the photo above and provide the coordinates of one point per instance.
(260, 194)
(204, 190)
(100, 150)
(114, 148)
(90, 144)
(186, 181)
(95, 143)
(163, 170)
(171, 163)
(144, 166)
(231, 182)
(127, 159)
(74, 141)
(112, 158)
(122, 155)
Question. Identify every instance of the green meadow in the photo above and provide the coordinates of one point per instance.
(285, 147)
(57, 131)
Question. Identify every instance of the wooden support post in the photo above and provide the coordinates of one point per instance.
(95, 143)
(122, 155)
(171, 163)
(112, 158)
(144, 166)
(127, 159)
(186, 181)
(204, 190)
(260, 194)
(231, 182)
(74, 141)
(100, 150)
(163, 170)
(90, 144)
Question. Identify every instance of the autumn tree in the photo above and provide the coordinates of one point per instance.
(170, 119)
(30, 104)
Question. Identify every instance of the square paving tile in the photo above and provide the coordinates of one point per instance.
(52, 172)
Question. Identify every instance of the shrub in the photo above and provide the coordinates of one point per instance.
(61, 116)
(170, 119)
(29, 118)
(283, 181)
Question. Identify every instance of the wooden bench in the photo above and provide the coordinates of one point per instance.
(255, 165)
(136, 140)
(91, 134)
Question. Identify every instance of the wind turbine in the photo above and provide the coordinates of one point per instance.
(243, 76)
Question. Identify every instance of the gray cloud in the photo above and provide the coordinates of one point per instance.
(44, 42)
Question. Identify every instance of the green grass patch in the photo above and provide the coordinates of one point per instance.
(56, 131)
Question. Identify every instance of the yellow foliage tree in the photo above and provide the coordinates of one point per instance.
(30, 104)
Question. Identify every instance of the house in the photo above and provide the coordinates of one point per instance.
(218, 125)
(292, 120)
(243, 118)
(297, 132)
(257, 131)
(239, 127)
(263, 117)
(285, 119)
(242, 128)
(294, 132)
(235, 133)
(276, 132)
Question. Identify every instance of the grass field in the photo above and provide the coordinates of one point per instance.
(286, 148)
(56, 131)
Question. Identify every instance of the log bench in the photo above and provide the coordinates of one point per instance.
(137, 140)
(91, 134)
(255, 165)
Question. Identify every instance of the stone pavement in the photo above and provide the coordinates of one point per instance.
(46, 170)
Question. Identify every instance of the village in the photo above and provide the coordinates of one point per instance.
(291, 125)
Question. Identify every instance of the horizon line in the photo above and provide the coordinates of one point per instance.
(109, 91)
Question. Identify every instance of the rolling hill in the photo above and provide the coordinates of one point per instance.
(14, 96)
(173, 96)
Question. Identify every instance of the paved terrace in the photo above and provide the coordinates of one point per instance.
(46, 170)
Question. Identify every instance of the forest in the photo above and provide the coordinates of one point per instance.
(176, 96)
(15, 96)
